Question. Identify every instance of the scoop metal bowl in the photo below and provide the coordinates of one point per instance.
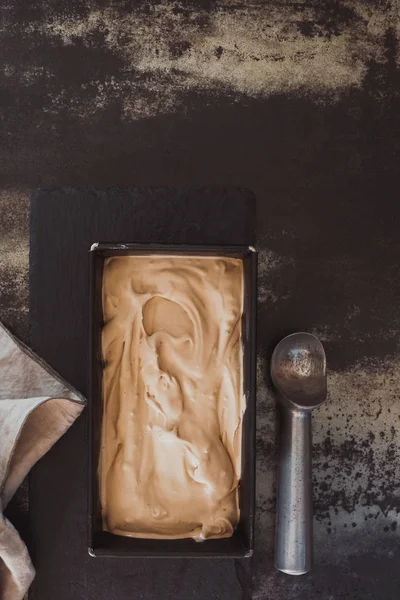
(298, 370)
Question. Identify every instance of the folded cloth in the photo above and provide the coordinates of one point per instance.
(36, 409)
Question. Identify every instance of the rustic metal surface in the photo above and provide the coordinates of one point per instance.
(299, 103)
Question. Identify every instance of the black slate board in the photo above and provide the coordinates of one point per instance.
(64, 223)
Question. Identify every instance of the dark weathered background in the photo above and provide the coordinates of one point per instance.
(298, 102)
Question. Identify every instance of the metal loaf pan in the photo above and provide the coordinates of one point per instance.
(102, 543)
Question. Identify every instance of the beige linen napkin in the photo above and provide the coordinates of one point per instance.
(36, 409)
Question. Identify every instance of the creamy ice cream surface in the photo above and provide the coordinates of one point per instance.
(173, 399)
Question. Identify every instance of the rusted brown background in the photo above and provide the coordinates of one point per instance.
(298, 102)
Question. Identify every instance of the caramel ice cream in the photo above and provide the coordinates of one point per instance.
(173, 396)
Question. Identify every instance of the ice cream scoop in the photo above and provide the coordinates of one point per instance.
(298, 370)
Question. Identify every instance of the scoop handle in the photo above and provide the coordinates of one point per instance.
(294, 514)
